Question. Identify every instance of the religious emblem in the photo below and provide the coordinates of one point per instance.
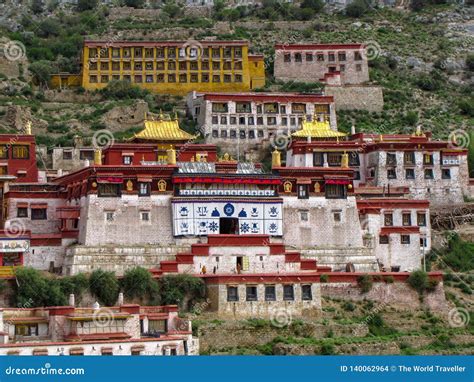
(129, 185)
(162, 185)
(229, 209)
(94, 185)
(287, 186)
(317, 187)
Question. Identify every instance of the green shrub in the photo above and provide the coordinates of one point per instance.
(180, 289)
(122, 90)
(389, 279)
(104, 286)
(357, 8)
(365, 283)
(77, 284)
(324, 278)
(470, 62)
(349, 306)
(420, 282)
(139, 283)
(327, 349)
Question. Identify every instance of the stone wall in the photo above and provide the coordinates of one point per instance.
(321, 229)
(397, 294)
(362, 258)
(278, 310)
(356, 97)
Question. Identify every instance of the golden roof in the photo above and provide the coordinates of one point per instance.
(163, 129)
(316, 129)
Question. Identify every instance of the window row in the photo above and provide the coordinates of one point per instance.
(110, 216)
(16, 152)
(115, 189)
(251, 293)
(83, 155)
(332, 191)
(250, 121)
(410, 173)
(334, 159)
(192, 52)
(243, 134)
(406, 219)
(170, 78)
(36, 213)
(320, 56)
(271, 108)
(170, 65)
(404, 239)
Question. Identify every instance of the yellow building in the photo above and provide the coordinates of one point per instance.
(173, 67)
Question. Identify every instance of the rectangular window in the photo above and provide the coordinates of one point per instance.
(409, 158)
(358, 68)
(270, 293)
(238, 66)
(334, 159)
(171, 78)
(288, 293)
(287, 57)
(306, 293)
(243, 107)
(298, 57)
(145, 216)
(183, 78)
(3, 151)
(216, 65)
(421, 219)
(194, 78)
(335, 191)
(298, 108)
(303, 191)
(391, 159)
(138, 79)
(405, 239)
(251, 293)
(160, 77)
(22, 212)
(204, 77)
(227, 78)
(232, 293)
(391, 173)
(104, 66)
(410, 173)
(271, 121)
(357, 56)
(20, 152)
(446, 173)
(144, 189)
(341, 56)
(318, 159)
(67, 155)
(331, 57)
(216, 78)
(429, 173)
(271, 108)
(116, 52)
(109, 189)
(38, 214)
(218, 107)
(428, 159)
(149, 78)
(215, 133)
(309, 57)
(304, 216)
(233, 134)
(354, 159)
(320, 57)
(383, 239)
(406, 221)
(388, 220)
(171, 65)
(127, 159)
(109, 216)
(127, 66)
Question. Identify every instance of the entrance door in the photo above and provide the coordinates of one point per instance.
(239, 264)
(229, 226)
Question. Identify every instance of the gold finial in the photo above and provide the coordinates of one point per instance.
(345, 160)
(146, 114)
(175, 115)
(98, 157)
(28, 128)
(276, 158)
(160, 116)
(381, 137)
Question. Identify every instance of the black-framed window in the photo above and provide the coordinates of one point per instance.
(144, 188)
(109, 189)
(388, 220)
(67, 155)
(391, 159)
(391, 173)
(303, 191)
(428, 159)
(20, 152)
(288, 293)
(356, 175)
(39, 214)
(334, 159)
(251, 293)
(306, 292)
(3, 151)
(354, 159)
(335, 191)
(22, 212)
(405, 239)
(409, 158)
(220, 107)
(446, 173)
(406, 219)
(232, 293)
(421, 219)
(26, 330)
(410, 173)
(429, 173)
(127, 159)
(383, 239)
(318, 159)
(270, 293)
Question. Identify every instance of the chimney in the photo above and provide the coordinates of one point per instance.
(72, 300)
(353, 129)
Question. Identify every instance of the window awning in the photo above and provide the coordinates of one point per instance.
(22, 205)
(137, 348)
(40, 351)
(110, 179)
(76, 351)
(337, 181)
(303, 181)
(144, 178)
(128, 154)
(39, 206)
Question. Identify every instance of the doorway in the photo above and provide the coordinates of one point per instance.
(229, 226)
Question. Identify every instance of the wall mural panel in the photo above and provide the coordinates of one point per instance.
(196, 218)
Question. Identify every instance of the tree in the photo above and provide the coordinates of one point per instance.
(180, 289)
(49, 27)
(138, 283)
(85, 5)
(41, 71)
(417, 5)
(37, 6)
(316, 5)
(470, 62)
(104, 286)
(357, 8)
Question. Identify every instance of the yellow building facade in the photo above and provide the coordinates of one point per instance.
(172, 67)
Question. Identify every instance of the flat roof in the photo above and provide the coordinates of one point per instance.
(123, 43)
(318, 46)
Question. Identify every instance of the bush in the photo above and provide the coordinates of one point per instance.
(349, 306)
(324, 278)
(470, 62)
(180, 289)
(122, 90)
(428, 83)
(459, 254)
(389, 279)
(365, 283)
(420, 282)
(77, 285)
(33, 289)
(104, 286)
(138, 283)
(467, 106)
(41, 71)
(85, 5)
(327, 349)
(357, 8)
